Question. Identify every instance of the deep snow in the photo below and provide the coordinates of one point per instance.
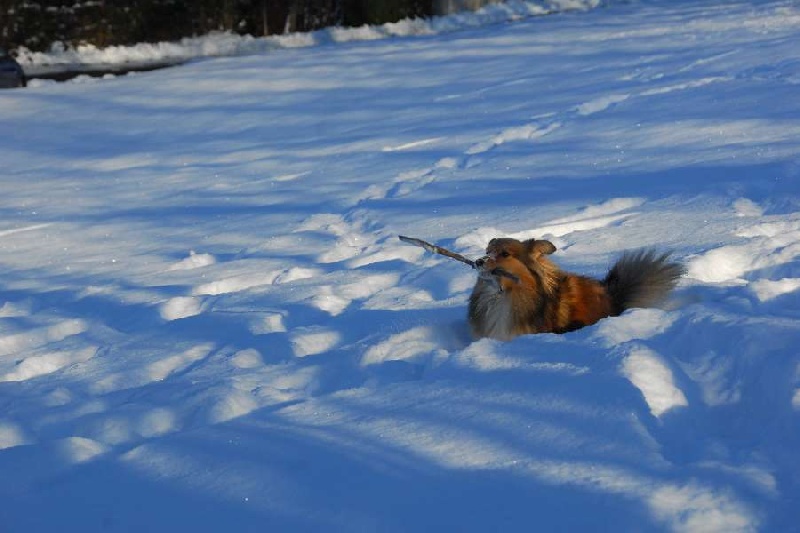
(207, 321)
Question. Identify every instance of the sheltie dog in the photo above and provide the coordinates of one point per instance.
(519, 290)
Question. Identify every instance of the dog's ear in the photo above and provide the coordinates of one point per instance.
(539, 247)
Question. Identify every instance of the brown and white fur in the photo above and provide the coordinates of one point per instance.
(519, 290)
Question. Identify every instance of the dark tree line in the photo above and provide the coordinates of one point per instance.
(38, 24)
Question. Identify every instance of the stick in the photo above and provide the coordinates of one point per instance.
(458, 257)
(438, 250)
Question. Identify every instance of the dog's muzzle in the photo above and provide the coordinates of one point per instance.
(481, 262)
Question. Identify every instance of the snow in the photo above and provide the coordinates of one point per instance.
(649, 374)
(230, 44)
(207, 320)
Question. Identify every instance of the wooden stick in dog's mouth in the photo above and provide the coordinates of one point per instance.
(452, 255)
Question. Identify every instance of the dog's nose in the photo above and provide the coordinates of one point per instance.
(480, 262)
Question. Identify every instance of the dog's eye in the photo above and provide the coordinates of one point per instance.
(505, 253)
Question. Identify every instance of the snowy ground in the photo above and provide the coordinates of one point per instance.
(209, 324)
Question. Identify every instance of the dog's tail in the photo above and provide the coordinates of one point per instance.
(641, 278)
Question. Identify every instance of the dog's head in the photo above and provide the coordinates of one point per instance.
(508, 252)
(511, 256)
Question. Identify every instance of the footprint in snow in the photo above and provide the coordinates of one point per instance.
(346, 239)
(527, 132)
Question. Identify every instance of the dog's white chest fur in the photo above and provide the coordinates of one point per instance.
(491, 313)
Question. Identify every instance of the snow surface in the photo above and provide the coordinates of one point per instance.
(207, 322)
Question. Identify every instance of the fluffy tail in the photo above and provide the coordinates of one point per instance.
(641, 278)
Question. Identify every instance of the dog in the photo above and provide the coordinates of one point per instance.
(520, 290)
